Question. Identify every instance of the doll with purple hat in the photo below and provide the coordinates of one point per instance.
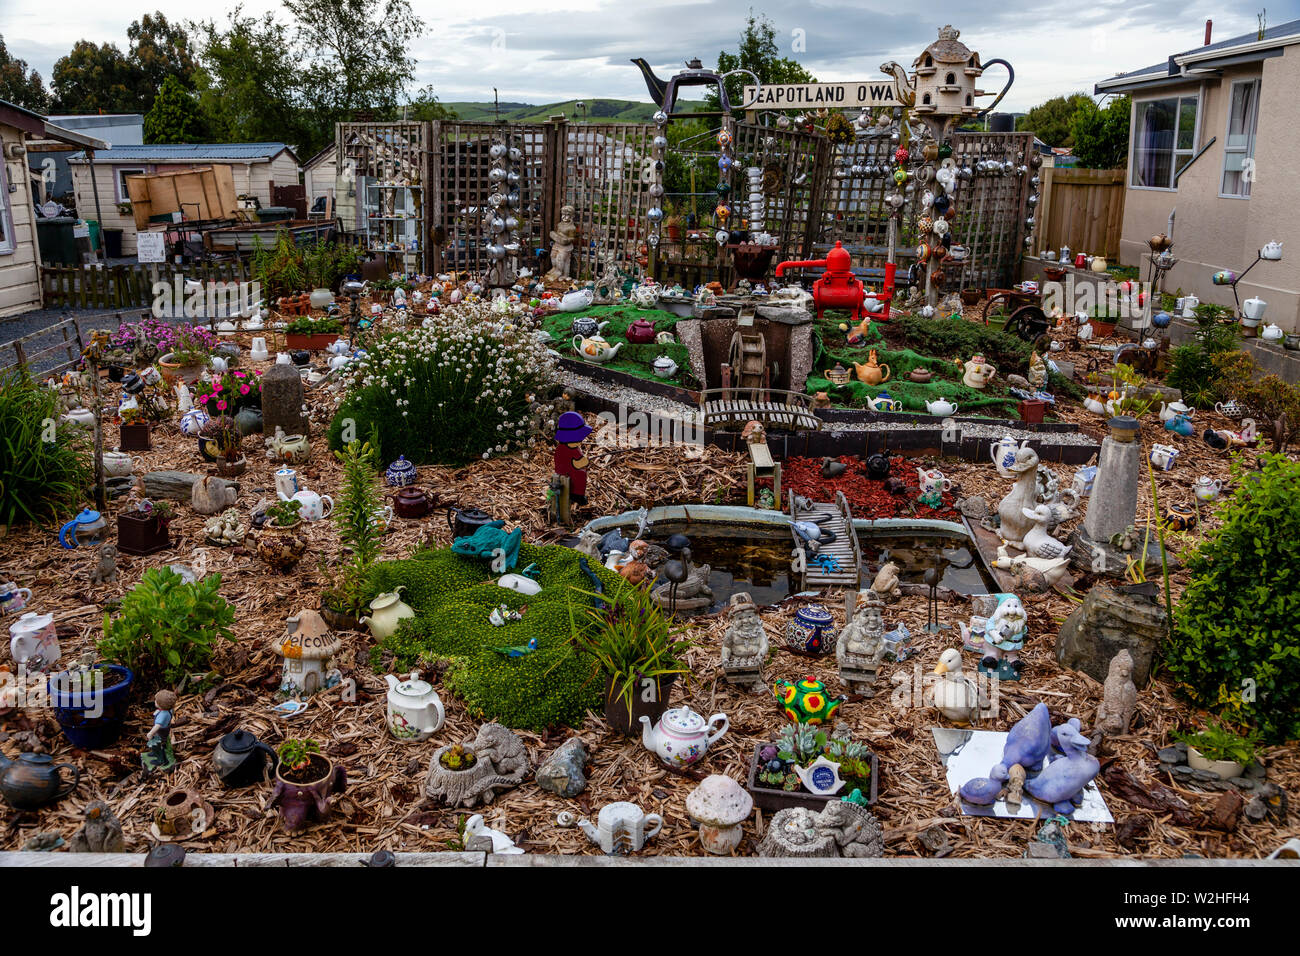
(570, 460)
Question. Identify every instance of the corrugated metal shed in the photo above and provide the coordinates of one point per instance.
(192, 153)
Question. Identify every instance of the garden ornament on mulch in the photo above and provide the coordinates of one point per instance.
(158, 755)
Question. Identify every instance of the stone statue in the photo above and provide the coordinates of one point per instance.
(1119, 699)
(886, 582)
(842, 828)
(105, 571)
(101, 833)
(563, 237)
(745, 645)
(854, 829)
(499, 763)
(861, 646)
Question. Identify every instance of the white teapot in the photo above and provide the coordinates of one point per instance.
(942, 407)
(1254, 308)
(682, 736)
(314, 506)
(1271, 251)
(622, 827)
(1172, 410)
(1271, 333)
(118, 464)
(33, 641)
(1206, 488)
(414, 709)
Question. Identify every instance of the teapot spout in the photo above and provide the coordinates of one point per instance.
(590, 829)
(647, 733)
(388, 678)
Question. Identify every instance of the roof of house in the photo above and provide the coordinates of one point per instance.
(1240, 49)
(33, 123)
(320, 157)
(192, 153)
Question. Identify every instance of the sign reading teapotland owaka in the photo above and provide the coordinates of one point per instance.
(793, 96)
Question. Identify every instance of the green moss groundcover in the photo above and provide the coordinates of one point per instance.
(633, 359)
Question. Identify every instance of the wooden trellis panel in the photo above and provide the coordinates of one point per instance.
(606, 179)
(460, 173)
(394, 156)
(790, 159)
(991, 208)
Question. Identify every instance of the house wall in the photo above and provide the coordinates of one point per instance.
(319, 179)
(1212, 232)
(20, 272)
(282, 170)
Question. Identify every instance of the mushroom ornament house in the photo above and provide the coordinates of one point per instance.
(719, 805)
(308, 646)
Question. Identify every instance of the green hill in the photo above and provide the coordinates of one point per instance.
(597, 111)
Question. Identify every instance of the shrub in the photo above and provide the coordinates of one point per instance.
(39, 479)
(279, 269)
(1192, 367)
(445, 394)
(325, 263)
(958, 339)
(167, 629)
(307, 325)
(192, 344)
(1218, 742)
(1235, 645)
(1268, 397)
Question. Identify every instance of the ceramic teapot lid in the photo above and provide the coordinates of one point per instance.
(815, 615)
(414, 687)
(683, 720)
(31, 622)
(238, 742)
(401, 465)
(663, 361)
(386, 600)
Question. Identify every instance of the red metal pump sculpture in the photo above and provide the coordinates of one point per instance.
(839, 288)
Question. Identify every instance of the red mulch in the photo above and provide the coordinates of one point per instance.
(867, 498)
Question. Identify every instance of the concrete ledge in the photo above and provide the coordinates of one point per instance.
(1270, 356)
(63, 859)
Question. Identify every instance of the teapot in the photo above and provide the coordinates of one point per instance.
(386, 612)
(258, 351)
(286, 483)
(1003, 455)
(1206, 488)
(1271, 333)
(1254, 308)
(1163, 456)
(941, 407)
(1231, 408)
(932, 480)
(463, 522)
(89, 524)
(1271, 251)
(645, 296)
(641, 332)
(400, 473)
(284, 447)
(664, 367)
(622, 827)
(586, 326)
(33, 780)
(877, 466)
(414, 710)
(872, 372)
(240, 759)
(33, 641)
(681, 736)
(978, 373)
(192, 422)
(1173, 410)
(577, 301)
(118, 464)
(821, 777)
(314, 506)
(885, 403)
(411, 502)
(595, 348)
(13, 598)
(1181, 425)
(1094, 404)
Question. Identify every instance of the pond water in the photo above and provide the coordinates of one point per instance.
(756, 558)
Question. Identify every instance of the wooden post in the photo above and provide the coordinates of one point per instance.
(560, 501)
(92, 359)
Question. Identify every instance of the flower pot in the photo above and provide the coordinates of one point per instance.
(140, 533)
(751, 261)
(73, 709)
(971, 297)
(281, 548)
(189, 374)
(339, 620)
(1223, 769)
(1032, 410)
(1101, 327)
(231, 469)
(304, 797)
(134, 437)
(773, 799)
(314, 342)
(673, 232)
(629, 725)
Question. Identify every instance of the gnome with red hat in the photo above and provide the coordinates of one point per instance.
(570, 460)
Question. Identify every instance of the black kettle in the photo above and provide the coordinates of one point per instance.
(241, 759)
(465, 521)
(878, 467)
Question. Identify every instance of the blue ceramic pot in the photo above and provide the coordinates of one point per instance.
(72, 709)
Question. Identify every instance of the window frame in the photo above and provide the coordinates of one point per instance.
(1248, 151)
(9, 244)
(1175, 152)
(119, 180)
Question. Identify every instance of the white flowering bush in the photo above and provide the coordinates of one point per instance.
(446, 394)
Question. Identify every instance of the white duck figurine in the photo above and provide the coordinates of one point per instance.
(1052, 569)
(955, 694)
(1037, 542)
(501, 844)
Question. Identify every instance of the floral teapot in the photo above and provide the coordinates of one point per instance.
(414, 708)
(978, 373)
(645, 296)
(682, 736)
(664, 367)
(1207, 488)
(587, 327)
(932, 480)
(622, 827)
(595, 348)
(282, 447)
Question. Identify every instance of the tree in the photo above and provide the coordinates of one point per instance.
(758, 53)
(248, 80)
(425, 107)
(1101, 135)
(1051, 121)
(19, 85)
(160, 49)
(175, 116)
(353, 55)
(95, 78)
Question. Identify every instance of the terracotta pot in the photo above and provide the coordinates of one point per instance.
(1032, 410)
(629, 725)
(312, 342)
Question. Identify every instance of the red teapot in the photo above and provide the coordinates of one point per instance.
(641, 332)
(411, 502)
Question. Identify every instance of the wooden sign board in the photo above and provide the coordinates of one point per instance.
(805, 96)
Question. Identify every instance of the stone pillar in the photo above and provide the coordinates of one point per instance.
(282, 401)
(1112, 507)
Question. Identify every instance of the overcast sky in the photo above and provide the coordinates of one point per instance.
(572, 49)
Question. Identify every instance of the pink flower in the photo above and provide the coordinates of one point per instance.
(241, 374)
(243, 390)
(221, 405)
(216, 386)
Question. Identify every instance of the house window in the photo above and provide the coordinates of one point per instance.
(6, 216)
(1239, 143)
(1164, 140)
(124, 194)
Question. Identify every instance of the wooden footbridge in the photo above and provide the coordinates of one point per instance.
(844, 549)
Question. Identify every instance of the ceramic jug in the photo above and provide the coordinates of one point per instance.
(622, 827)
(314, 506)
(1206, 488)
(118, 464)
(286, 483)
(1254, 308)
(240, 759)
(414, 709)
(13, 598)
(387, 611)
(1003, 455)
(682, 736)
(33, 641)
(33, 780)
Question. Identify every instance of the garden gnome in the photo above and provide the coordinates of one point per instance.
(1120, 696)
(562, 239)
(1004, 636)
(745, 645)
(1037, 371)
(570, 460)
(158, 753)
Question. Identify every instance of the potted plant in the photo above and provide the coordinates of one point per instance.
(1102, 322)
(672, 223)
(219, 442)
(1219, 750)
(133, 434)
(637, 649)
(278, 544)
(191, 347)
(775, 778)
(90, 703)
(144, 530)
(304, 780)
(310, 333)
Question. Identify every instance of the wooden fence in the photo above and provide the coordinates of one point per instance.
(49, 350)
(1082, 209)
(127, 286)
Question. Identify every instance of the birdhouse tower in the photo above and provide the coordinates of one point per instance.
(945, 77)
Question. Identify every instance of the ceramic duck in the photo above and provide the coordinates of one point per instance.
(1037, 542)
(955, 694)
(1061, 783)
(501, 844)
(1027, 742)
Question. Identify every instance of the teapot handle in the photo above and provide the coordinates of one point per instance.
(63, 535)
(658, 822)
(442, 714)
(886, 378)
(327, 506)
(270, 752)
(67, 787)
(726, 724)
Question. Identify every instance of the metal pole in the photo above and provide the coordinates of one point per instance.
(99, 216)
